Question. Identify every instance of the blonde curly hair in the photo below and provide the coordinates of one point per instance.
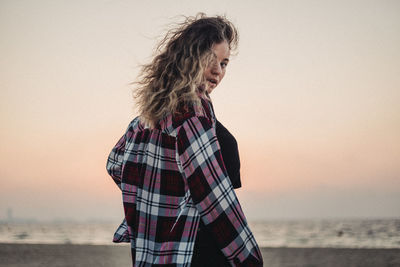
(175, 77)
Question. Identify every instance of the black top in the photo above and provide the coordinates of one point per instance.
(230, 154)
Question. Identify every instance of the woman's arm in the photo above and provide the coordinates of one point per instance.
(116, 157)
(213, 194)
(115, 160)
(114, 168)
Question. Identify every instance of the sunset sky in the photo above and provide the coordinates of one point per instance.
(313, 98)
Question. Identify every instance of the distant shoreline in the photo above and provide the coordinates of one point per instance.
(124, 244)
(374, 234)
(62, 255)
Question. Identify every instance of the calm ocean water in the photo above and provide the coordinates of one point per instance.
(377, 233)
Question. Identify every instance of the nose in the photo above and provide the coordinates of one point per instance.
(216, 69)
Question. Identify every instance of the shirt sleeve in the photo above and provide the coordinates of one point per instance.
(115, 161)
(213, 194)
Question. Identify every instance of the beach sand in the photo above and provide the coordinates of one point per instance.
(119, 255)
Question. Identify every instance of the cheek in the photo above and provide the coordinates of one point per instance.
(207, 71)
(221, 76)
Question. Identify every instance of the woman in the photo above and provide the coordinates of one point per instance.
(168, 163)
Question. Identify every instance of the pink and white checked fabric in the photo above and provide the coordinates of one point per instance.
(171, 177)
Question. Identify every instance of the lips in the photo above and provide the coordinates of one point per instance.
(213, 81)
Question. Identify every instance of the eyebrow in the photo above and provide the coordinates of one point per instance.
(225, 59)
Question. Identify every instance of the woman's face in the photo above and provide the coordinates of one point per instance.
(215, 71)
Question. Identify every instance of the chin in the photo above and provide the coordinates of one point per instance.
(210, 88)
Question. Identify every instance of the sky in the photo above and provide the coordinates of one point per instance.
(312, 97)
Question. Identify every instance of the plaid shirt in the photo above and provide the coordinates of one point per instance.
(172, 177)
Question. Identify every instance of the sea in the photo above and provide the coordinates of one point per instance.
(330, 233)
